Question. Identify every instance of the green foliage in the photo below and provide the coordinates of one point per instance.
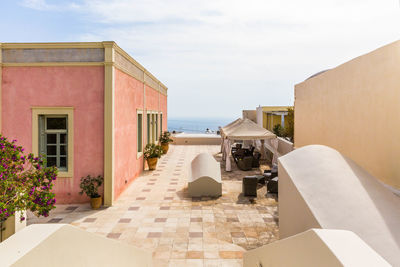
(278, 130)
(25, 182)
(165, 138)
(289, 130)
(90, 185)
(152, 151)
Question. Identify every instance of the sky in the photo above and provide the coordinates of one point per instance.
(217, 57)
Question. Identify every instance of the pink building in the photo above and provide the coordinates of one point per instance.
(90, 107)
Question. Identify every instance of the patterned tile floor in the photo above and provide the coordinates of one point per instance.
(155, 213)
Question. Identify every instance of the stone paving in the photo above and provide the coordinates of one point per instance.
(155, 213)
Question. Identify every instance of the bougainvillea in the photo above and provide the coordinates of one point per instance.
(25, 182)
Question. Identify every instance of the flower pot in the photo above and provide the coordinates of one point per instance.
(95, 202)
(165, 147)
(152, 162)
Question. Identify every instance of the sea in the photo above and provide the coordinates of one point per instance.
(197, 125)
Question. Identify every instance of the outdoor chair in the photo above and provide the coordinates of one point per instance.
(272, 185)
(245, 163)
(256, 160)
(249, 186)
(239, 154)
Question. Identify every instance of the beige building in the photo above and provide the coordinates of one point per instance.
(355, 108)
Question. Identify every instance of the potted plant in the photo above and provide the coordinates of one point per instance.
(90, 186)
(152, 153)
(165, 140)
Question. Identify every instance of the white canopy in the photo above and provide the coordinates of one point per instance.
(245, 129)
(242, 129)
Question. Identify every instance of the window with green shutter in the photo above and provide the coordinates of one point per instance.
(139, 132)
(53, 140)
(161, 124)
(148, 128)
(156, 131)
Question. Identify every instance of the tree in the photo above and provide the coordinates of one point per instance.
(25, 182)
(289, 129)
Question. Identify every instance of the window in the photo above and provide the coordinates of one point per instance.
(139, 132)
(148, 128)
(156, 124)
(53, 136)
(161, 124)
(53, 140)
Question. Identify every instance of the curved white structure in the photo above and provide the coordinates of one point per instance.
(63, 245)
(315, 247)
(321, 188)
(204, 177)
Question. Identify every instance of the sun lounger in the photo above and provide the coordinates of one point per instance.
(204, 177)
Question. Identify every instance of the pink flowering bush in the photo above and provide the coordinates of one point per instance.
(25, 182)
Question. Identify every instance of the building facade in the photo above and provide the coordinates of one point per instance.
(269, 116)
(89, 107)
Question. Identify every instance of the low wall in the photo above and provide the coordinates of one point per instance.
(284, 146)
(196, 139)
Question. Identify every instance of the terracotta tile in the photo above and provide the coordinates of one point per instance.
(178, 254)
(133, 208)
(195, 234)
(160, 219)
(146, 190)
(150, 183)
(231, 254)
(238, 234)
(196, 219)
(125, 220)
(232, 219)
(154, 234)
(89, 220)
(114, 235)
(173, 183)
(194, 255)
(140, 198)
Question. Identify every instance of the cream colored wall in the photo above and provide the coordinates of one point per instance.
(355, 108)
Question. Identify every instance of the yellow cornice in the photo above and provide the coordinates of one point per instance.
(138, 65)
(65, 45)
(54, 45)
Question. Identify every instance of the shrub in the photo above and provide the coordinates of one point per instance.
(278, 130)
(165, 138)
(152, 151)
(25, 182)
(90, 185)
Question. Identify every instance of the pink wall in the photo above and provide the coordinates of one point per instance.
(78, 87)
(128, 98)
(164, 110)
(151, 98)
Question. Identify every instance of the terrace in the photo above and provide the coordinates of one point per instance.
(156, 214)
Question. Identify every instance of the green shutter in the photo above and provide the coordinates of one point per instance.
(42, 135)
(139, 134)
(160, 124)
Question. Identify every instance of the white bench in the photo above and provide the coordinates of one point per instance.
(204, 177)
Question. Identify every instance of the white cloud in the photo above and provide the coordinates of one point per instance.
(43, 5)
(252, 51)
